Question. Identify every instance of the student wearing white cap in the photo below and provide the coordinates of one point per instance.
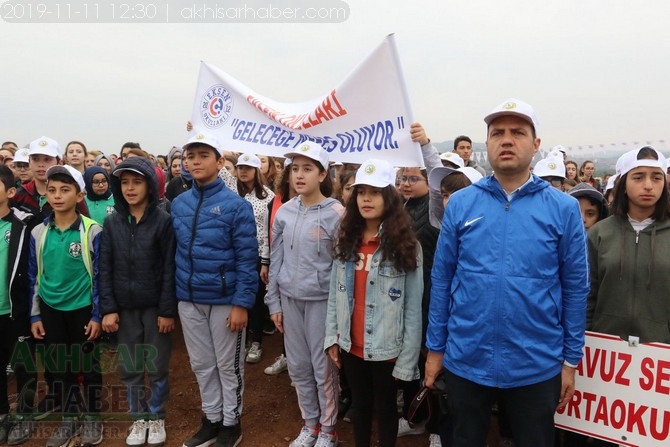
(250, 186)
(31, 197)
(630, 269)
(506, 323)
(373, 326)
(303, 234)
(551, 170)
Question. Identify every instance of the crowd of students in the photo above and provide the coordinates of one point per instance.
(337, 257)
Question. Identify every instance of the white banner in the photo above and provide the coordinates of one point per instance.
(623, 393)
(367, 116)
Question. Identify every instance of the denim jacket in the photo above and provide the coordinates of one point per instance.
(392, 313)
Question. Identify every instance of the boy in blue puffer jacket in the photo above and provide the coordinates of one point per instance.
(216, 284)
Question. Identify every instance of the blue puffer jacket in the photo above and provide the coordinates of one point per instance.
(509, 284)
(217, 250)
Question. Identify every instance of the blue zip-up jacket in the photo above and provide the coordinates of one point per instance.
(217, 250)
(392, 313)
(510, 281)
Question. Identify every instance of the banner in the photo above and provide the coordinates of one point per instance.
(622, 393)
(366, 116)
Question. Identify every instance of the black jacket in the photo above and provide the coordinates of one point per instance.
(20, 297)
(137, 267)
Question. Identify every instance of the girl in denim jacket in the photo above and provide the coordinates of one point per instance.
(373, 325)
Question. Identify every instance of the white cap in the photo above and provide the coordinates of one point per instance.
(453, 157)
(514, 107)
(22, 155)
(312, 150)
(629, 161)
(375, 172)
(337, 163)
(437, 174)
(203, 138)
(45, 146)
(249, 160)
(550, 167)
(69, 171)
(610, 181)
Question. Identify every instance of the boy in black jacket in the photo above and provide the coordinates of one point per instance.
(137, 294)
(16, 345)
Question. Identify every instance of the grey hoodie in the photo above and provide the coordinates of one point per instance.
(301, 252)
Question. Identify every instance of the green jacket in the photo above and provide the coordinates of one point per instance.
(630, 280)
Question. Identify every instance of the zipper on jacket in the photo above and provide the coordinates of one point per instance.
(131, 277)
(190, 247)
(637, 236)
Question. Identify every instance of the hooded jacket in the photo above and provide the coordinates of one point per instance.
(137, 259)
(17, 266)
(301, 253)
(99, 205)
(217, 250)
(509, 284)
(630, 280)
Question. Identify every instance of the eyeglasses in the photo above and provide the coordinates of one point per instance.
(412, 179)
(20, 165)
(99, 182)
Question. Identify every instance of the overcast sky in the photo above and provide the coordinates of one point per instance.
(596, 71)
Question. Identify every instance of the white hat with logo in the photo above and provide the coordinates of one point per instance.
(70, 172)
(375, 172)
(437, 174)
(311, 150)
(514, 107)
(45, 146)
(249, 160)
(22, 155)
(550, 167)
(204, 138)
(453, 157)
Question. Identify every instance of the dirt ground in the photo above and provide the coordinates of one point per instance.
(271, 417)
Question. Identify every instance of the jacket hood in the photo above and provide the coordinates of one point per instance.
(142, 166)
(88, 180)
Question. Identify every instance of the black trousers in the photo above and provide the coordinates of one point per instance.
(69, 356)
(17, 349)
(373, 388)
(529, 409)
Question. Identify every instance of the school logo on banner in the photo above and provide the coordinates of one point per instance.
(75, 249)
(216, 106)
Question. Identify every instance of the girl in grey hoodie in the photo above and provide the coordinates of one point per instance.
(300, 264)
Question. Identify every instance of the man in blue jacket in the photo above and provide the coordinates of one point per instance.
(509, 286)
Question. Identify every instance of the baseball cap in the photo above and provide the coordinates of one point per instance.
(203, 138)
(312, 150)
(514, 107)
(375, 172)
(45, 146)
(453, 157)
(629, 161)
(559, 148)
(22, 155)
(69, 171)
(249, 160)
(586, 190)
(437, 174)
(550, 167)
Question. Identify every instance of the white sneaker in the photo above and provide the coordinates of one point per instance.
(327, 440)
(138, 433)
(157, 434)
(255, 353)
(434, 440)
(306, 438)
(277, 367)
(405, 429)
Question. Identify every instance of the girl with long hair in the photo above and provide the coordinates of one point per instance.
(250, 186)
(302, 238)
(630, 268)
(373, 325)
(587, 174)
